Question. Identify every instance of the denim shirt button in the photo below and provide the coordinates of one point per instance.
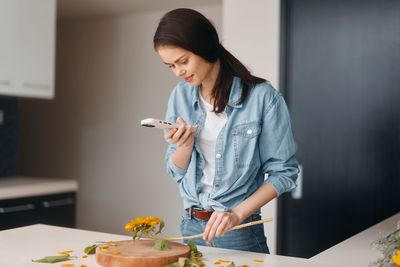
(249, 131)
(218, 156)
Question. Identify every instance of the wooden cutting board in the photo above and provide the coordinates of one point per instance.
(139, 253)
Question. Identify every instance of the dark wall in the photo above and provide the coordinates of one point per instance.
(341, 80)
(8, 136)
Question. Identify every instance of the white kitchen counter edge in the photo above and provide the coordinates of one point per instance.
(20, 245)
(357, 250)
(22, 186)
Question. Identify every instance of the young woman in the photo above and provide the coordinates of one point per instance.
(234, 150)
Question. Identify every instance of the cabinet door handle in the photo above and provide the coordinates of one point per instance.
(18, 208)
(31, 85)
(58, 203)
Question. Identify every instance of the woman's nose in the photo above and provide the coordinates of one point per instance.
(179, 72)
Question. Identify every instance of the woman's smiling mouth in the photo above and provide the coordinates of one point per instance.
(189, 79)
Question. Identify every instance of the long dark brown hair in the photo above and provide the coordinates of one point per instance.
(190, 30)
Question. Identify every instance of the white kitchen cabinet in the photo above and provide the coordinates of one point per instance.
(27, 47)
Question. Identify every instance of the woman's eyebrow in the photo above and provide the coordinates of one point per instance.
(175, 60)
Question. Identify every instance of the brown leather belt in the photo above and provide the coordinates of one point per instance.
(200, 213)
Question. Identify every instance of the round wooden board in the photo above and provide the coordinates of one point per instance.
(139, 253)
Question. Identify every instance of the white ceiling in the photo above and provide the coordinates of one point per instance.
(76, 9)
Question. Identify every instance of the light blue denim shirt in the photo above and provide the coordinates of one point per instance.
(257, 139)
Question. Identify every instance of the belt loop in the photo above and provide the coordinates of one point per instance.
(190, 213)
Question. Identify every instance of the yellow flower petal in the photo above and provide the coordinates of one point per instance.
(142, 223)
(256, 260)
(396, 257)
(65, 252)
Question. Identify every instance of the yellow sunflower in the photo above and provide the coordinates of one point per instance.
(396, 257)
(143, 226)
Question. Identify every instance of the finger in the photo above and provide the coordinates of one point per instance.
(192, 133)
(186, 136)
(170, 133)
(209, 224)
(175, 138)
(222, 227)
(180, 121)
(214, 228)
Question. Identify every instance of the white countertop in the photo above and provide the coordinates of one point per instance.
(20, 245)
(357, 250)
(22, 186)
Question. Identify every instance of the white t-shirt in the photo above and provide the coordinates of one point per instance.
(207, 140)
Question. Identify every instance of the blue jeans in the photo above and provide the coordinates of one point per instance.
(250, 238)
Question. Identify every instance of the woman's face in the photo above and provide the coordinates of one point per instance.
(185, 64)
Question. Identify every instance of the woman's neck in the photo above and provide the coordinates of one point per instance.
(207, 86)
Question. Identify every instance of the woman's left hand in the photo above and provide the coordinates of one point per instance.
(219, 223)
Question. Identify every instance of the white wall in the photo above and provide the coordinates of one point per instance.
(251, 33)
(108, 78)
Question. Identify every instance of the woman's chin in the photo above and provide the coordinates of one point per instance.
(193, 83)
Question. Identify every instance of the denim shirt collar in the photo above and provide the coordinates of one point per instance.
(234, 96)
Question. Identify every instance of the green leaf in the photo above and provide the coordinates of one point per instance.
(161, 226)
(138, 234)
(192, 245)
(193, 248)
(53, 259)
(196, 260)
(160, 244)
(90, 249)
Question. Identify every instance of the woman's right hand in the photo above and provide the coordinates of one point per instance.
(183, 136)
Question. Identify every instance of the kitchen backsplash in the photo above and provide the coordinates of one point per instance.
(8, 136)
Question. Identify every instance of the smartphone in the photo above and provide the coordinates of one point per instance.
(156, 123)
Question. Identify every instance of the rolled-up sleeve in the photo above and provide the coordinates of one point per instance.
(173, 171)
(277, 147)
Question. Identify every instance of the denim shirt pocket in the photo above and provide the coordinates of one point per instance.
(245, 138)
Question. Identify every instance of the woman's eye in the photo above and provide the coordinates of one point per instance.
(171, 66)
(184, 61)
